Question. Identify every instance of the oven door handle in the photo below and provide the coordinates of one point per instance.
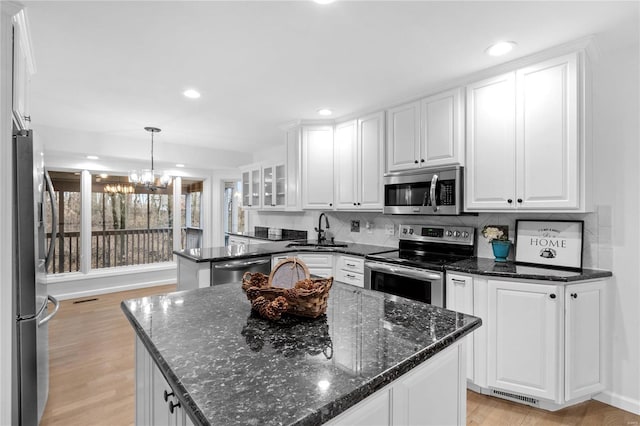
(409, 273)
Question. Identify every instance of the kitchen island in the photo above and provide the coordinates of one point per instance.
(372, 357)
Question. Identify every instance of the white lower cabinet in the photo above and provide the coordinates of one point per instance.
(350, 270)
(192, 275)
(156, 402)
(539, 341)
(524, 338)
(545, 340)
(238, 241)
(319, 264)
(459, 298)
(433, 393)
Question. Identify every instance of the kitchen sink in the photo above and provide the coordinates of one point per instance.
(316, 245)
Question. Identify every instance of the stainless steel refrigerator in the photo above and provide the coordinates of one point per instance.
(32, 189)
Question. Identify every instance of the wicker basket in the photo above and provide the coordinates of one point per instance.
(308, 298)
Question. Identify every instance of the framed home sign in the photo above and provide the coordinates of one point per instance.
(554, 243)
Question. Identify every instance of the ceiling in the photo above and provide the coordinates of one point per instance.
(114, 67)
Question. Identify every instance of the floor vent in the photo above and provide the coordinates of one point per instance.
(516, 398)
(85, 300)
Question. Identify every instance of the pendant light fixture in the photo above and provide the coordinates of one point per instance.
(147, 177)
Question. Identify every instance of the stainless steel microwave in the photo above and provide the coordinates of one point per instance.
(436, 191)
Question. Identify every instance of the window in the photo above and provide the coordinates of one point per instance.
(191, 213)
(129, 225)
(66, 255)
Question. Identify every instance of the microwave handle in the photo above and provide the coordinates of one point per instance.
(434, 183)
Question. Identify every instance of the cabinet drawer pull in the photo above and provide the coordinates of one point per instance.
(350, 276)
(574, 295)
(458, 281)
(350, 264)
(173, 406)
(167, 395)
(553, 296)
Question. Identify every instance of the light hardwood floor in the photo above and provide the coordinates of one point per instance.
(92, 374)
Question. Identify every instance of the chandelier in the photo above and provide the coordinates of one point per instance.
(119, 189)
(147, 177)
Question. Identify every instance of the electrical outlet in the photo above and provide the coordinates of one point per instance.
(355, 226)
(389, 229)
(369, 226)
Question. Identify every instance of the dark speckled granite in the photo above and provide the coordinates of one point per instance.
(484, 266)
(228, 366)
(209, 254)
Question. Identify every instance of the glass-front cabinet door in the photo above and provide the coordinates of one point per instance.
(273, 187)
(267, 185)
(251, 187)
(255, 188)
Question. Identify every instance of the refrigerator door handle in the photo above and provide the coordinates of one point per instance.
(54, 221)
(56, 306)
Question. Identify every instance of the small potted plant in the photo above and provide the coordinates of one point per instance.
(498, 236)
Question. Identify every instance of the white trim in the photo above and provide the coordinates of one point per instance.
(177, 213)
(109, 272)
(85, 221)
(112, 280)
(619, 401)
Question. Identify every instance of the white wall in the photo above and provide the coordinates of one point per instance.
(616, 135)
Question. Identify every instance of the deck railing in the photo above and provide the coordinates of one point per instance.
(119, 247)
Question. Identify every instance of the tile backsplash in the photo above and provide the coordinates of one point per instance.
(596, 242)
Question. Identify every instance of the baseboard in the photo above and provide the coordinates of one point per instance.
(619, 401)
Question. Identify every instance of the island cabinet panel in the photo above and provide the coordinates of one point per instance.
(526, 144)
(434, 393)
(524, 338)
(156, 402)
(584, 328)
(317, 167)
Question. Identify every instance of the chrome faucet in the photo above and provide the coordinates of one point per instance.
(319, 229)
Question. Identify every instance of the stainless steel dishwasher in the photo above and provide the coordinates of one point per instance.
(229, 271)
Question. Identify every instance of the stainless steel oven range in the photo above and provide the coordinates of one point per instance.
(416, 269)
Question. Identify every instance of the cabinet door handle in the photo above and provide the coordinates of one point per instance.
(416, 161)
(422, 160)
(574, 295)
(519, 200)
(330, 204)
(167, 395)
(553, 296)
(354, 204)
(27, 118)
(509, 201)
(358, 203)
(173, 406)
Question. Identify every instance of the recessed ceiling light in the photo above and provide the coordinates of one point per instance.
(104, 175)
(324, 1)
(501, 48)
(92, 157)
(191, 94)
(325, 111)
(179, 165)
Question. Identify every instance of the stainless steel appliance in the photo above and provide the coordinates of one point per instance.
(416, 269)
(30, 360)
(424, 192)
(229, 271)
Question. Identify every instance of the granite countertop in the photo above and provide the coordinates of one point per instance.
(485, 266)
(208, 254)
(228, 366)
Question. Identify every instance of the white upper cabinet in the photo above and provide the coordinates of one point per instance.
(426, 133)
(525, 147)
(23, 68)
(274, 187)
(442, 137)
(292, 143)
(403, 137)
(251, 187)
(359, 162)
(317, 167)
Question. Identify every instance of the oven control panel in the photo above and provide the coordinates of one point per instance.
(438, 233)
